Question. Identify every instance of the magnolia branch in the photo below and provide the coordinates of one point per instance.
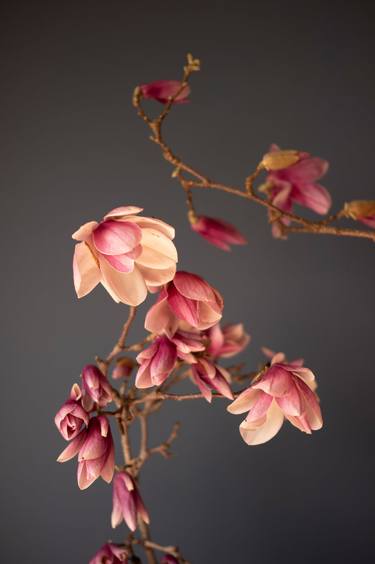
(196, 179)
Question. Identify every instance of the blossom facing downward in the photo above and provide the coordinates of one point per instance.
(110, 553)
(71, 415)
(127, 502)
(95, 449)
(187, 298)
(127, 253)
(218, 232)
(282, 391)
(361, 210)
(163, 90)
(156, 363)
(96, 387)
(227, 341)
(211, 377)
(297, 184)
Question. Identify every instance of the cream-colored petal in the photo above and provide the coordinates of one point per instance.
(85, 231)
(153, 223)
(258, 435)
(155, 239)
(154, 259)
(154, 277)
(86, 273)
(129, 287)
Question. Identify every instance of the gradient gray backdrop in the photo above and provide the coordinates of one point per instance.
(297, 73)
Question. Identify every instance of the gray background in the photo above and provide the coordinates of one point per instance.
(296, 73)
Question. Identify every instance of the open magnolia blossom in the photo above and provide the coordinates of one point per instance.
(282, 391)
(125, 252)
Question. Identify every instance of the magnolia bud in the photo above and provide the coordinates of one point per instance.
(276, 160)
(359, 209)
(123, 368)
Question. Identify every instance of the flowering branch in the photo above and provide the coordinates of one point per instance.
(279, 216)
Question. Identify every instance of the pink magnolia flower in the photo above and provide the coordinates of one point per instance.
(156, 363)
(96, 387)
(71, 415)
(187, 343)
(169, 559)
(208, 377)
(127, 502)
(126, 253)
(227, 341)
(110, 553)
(163, 90)
(297, 184)
(218, 232)
(96, 455)
(283, 390)
(187, 298)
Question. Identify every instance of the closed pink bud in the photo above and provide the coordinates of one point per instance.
(163, 90)
(218, 232)
(127, 253)
(211, 377)
(187, 298)
(96, 386)
(297, 184)
(362, 210)
(127, 502)
(156, 363)
(283, 391)
(71, 416)
(110, 553)
(95, 449)
(227, 341)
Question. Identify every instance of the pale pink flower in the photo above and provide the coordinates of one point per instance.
(162, 90)
(218, 232)
(110, 553)
(127, 502)
(227, 341)
(283, 390)
(96, 455)
(96, 387)
(297, 184)
(156, 363)
(126, 253)
(71, 415)
(187, 298)
(211, 377)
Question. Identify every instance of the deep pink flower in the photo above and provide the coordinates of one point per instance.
(162, 90)
(283, 390)
(126, 253)
(187, 298)
(71, 415)
(169, 559)
(218, 232)
(96, 455)
(297, 184)
(156, 363)
(127, 502)
(208, 376)
(96, 387)
(227, 341)
(110, 553)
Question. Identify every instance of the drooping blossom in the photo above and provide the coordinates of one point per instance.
(126, 253)
(211, 377)
(218, 232)
(71, 415)
(227, 341)
(96, 387)
(297, 184)
(282, 391)
(361, 210)
(156, 363)
(127, 502)
(169, 559)
(187, 298)
(123, 368)
(110, 553)
(95, 449)
(163, 90)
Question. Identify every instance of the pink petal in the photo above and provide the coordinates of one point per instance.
(291, 403)
(116, 237)
(160, 318)
(73, 448)
(307, 170)
(260, 407)
(244, 402)
(276, 381)
(122, 263)
(86, 273)
(193, 287)
(314, 197)
(85, 231)
(162, 90)
(183, 308)
(109, 466)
